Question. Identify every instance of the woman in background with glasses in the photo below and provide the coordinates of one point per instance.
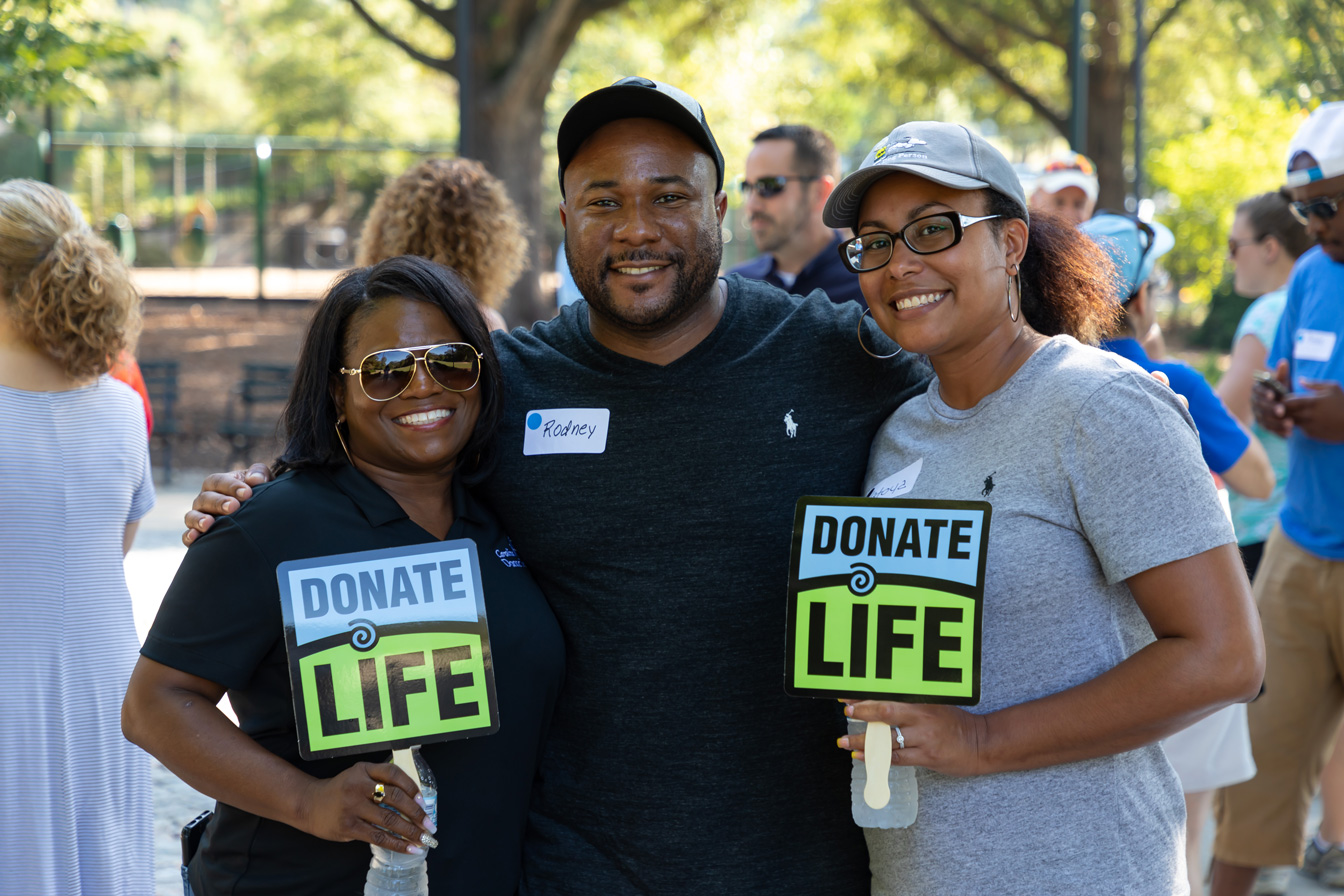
(1116, 610)
(76, 814)
(391, 419)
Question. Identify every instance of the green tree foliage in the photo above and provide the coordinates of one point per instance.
(62, 52)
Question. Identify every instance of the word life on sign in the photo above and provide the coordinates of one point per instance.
(388, 648)
(886, 599)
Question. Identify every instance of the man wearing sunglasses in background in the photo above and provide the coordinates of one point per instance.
(789, 175)
(1300, 582)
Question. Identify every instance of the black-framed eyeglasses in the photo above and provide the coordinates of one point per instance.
(1323, 207)
(771, 185)
(383, 375)
(923, 236)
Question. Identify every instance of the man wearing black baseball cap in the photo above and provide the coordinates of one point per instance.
(655, 440)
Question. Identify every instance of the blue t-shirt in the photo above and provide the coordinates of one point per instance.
(1313, 319)
(825, 272)
(1221, 438)
(1253, 519)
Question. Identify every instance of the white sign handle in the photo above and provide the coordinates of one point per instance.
(876, 764)
(403, 760)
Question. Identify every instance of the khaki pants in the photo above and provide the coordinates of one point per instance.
(1301, 596)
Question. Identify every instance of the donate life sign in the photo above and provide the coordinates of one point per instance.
(886, 599)
(388, 648)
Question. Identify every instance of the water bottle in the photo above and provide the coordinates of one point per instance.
(900, 810)
(396, 873)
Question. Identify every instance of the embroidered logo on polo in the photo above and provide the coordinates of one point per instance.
(790, 425)
(566, 431)
(509, 556)
(989, 485)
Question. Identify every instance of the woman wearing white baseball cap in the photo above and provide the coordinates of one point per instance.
(1116, 609)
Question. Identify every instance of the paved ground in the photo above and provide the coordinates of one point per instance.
(149, 570)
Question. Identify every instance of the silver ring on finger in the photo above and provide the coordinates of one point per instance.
(900, 738)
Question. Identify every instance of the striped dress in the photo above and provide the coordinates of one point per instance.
(76, 813)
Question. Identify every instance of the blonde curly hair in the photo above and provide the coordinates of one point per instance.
(454, 212)
(64, 287)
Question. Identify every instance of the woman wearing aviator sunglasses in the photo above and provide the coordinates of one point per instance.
(1115, 608)
(391, 419)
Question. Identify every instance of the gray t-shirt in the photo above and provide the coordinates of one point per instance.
(1094, 473)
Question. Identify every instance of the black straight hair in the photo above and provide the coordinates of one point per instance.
(309, 419)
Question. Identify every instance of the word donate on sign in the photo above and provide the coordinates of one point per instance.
(388, 648)
(886, 599)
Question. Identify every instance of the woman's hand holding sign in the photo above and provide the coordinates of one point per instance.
(943, 738)
(347, 807)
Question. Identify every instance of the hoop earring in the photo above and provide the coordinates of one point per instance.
(1008, 293)
(859, 332)
(339, 421)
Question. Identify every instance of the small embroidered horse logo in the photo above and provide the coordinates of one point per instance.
(790, 427)
(989, 485)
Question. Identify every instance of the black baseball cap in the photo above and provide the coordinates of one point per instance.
(634, 97)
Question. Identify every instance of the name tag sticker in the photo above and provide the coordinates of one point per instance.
(388, 648)
(897, 483)
(1313, 345)
(886, 599)
(566, 431)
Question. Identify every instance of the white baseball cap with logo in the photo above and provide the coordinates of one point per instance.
(1322, 137)
(948, 154)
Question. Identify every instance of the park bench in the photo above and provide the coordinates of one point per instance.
(254, 410)
(161, 385)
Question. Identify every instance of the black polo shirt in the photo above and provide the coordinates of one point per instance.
(221, 620)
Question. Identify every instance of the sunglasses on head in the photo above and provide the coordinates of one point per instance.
(384, 375)
(772, 185)
(923, 236)
(1077, 163)
(1324, 208)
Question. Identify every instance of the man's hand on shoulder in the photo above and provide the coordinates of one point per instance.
(221, 494)
(1164, 380)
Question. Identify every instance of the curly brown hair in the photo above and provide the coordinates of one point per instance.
(64, 287)
(1067, 280)
(454, 212)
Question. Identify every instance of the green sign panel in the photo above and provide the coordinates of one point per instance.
(388, 648)
(886, 599)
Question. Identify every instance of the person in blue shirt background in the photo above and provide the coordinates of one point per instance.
(1229, 448)
(1301, 579)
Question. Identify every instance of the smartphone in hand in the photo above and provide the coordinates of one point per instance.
(1267, 379)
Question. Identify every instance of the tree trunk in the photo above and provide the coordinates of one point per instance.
(1107, 93)
(509, 135)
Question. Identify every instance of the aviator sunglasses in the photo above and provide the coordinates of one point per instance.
(384, 375)
(1324, 208)
(923, 236)
(771, 185)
